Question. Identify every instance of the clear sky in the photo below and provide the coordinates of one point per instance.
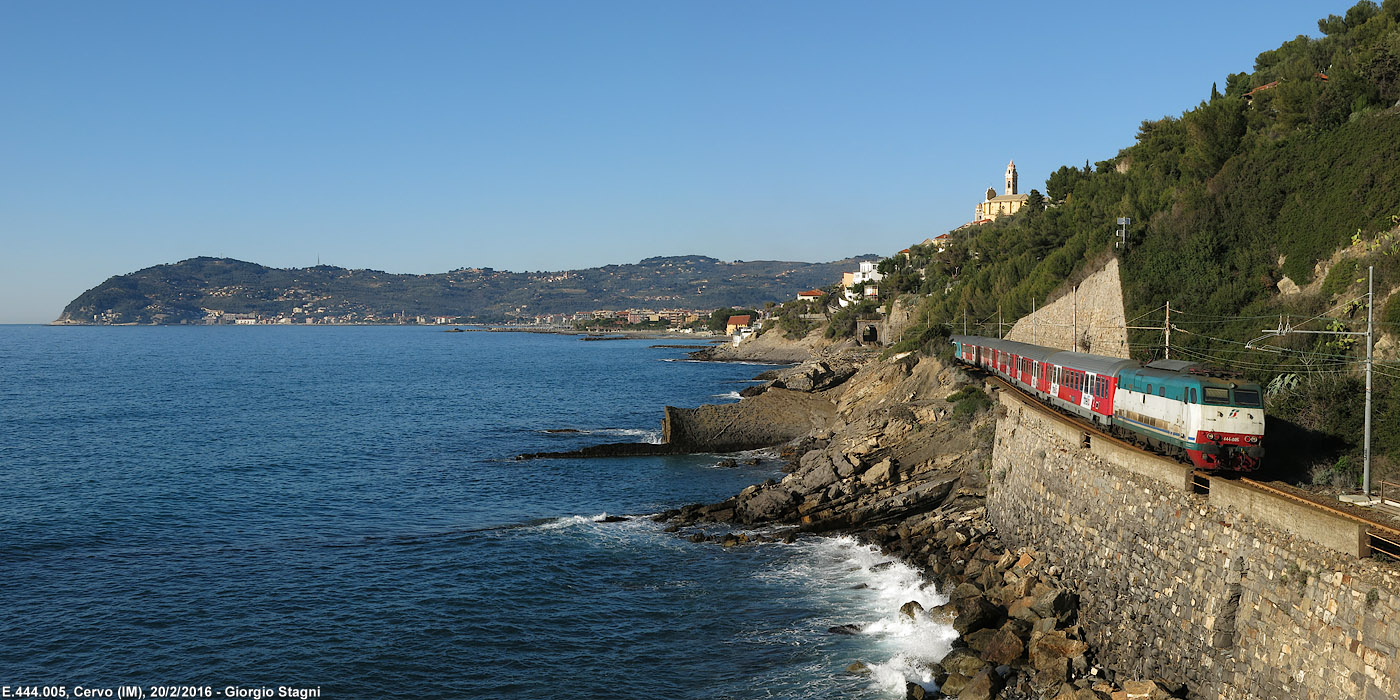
(426, 136)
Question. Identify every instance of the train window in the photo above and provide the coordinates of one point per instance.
(1149, 388)
(1217, 396)
(1193, 395)
(1161, 391)
(1247, 397)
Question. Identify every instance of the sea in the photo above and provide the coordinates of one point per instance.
(265, 511)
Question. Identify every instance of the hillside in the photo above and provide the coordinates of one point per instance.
(183, 291)
(1268, 199)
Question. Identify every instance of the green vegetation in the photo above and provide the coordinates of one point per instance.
(1292, 162)
(843, 322)
(969, 400)
(719, 318)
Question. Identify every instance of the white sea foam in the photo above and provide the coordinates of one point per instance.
(731, 395)
(869, 587)
(647, 436)
(573, 521)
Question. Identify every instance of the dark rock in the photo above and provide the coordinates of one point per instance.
(1053, 650)
(954, 684)
(963, 661)
(727, 462)
(912, 610)
(983, 686)
(914, 691)
(613, 449)
(614, 519)
(752, 391)
(1000, 646)
(858, 668)
(753, 461)
(975, 613)
(767, 504)
(844, 629)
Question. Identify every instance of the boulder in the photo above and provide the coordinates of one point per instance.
(767, 504)
(983, 686)
(881, 474)
(1000, 647)
(914, 691)
(844, 629)
(975, 613)
(954, 684)
(962, 661)
(1145, 690)
(858, 669)
(912, 610)
(1054, 650)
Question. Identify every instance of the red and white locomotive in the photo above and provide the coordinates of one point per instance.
(1175, 407)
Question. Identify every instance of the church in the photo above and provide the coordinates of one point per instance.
(1001, 205)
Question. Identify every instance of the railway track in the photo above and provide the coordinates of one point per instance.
(1384, 538)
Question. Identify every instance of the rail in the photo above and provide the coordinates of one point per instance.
(1383, 540)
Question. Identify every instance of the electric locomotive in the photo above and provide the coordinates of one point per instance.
(1178, 408)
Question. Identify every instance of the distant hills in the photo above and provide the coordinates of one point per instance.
(187, 291)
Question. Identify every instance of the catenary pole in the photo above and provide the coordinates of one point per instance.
(1370, 308)
(1168, 327)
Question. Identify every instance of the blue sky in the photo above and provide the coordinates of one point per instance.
(426, 136)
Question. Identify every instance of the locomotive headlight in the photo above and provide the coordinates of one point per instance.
(1253, 439)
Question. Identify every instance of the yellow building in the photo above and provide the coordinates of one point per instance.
(1001, 205)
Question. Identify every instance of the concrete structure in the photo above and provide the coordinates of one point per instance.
(1005, 204)
(1088, 319)
(1231, 594)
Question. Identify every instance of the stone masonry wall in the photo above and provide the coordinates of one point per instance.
(1098, 319)
(1178, 587)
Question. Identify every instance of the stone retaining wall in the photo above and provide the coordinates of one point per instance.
(1093, 311)
(1187, 588)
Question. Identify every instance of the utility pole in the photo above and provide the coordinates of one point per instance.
(1075, 328)
(1285, 329)
(1370, 308)
(1034, 321)
(999, 321)
(1167, 328)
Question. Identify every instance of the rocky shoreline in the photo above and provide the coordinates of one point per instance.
(900, 460)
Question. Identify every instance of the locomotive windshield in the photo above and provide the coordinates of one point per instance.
(1247, 397)
(1217, 396)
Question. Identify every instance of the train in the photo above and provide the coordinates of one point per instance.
(1178, 408)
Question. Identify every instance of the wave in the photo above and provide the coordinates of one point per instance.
(729, 395)
(572, 521)
(648, 436)
(871, 587)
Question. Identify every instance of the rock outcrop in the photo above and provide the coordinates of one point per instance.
(774, 417)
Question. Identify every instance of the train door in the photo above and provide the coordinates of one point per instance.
(1086, 397)
(1055, 381)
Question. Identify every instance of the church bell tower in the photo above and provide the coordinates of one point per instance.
(1011, 178)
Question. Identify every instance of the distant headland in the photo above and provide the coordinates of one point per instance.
(207, 290)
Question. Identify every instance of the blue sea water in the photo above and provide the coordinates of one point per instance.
(337, 508)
